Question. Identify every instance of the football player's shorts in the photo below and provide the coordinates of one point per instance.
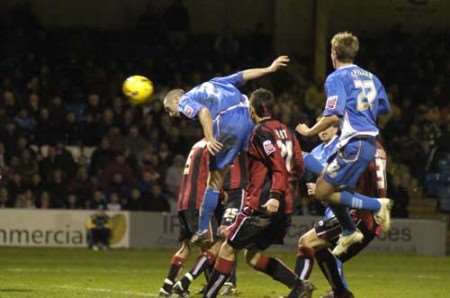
(188, 220)
(232, 128)
(346, 166)
(258, 230)
(232, 206)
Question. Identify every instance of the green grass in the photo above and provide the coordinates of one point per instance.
(69, 273)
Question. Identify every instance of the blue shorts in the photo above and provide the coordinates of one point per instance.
(233, 129)
(346, 166)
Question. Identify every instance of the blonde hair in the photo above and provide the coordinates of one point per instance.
(345, 45)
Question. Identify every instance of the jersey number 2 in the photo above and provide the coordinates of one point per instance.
(367, 94)
(285, 146)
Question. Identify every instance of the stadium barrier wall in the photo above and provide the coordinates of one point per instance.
(66, 228)
(56, 228)
(411, 236)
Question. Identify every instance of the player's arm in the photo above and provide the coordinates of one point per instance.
(268, 151)
(255, 73)
(320, 125)
(239, 78)
(334, 108)
(205, 119)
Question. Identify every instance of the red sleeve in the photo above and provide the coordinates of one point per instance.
(299, 167)
(265, 144)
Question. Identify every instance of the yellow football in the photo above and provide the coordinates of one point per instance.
(138, 89)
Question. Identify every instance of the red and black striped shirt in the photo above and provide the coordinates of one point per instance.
(275, 159)
(373, 183)
(195, 177)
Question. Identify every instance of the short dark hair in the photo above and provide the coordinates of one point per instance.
(262, 102)
(345, 45)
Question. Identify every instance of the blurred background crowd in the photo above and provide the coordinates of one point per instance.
(69, 139)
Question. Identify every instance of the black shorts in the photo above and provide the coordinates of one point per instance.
(330, 229)
(232, 207)
(258, 231)
(188, 220)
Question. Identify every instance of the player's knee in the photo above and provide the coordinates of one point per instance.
(184, 250)
(303, 241)
(226, 251)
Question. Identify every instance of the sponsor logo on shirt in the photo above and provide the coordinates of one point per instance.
(269, 148)
(188, 111)
(331, 102)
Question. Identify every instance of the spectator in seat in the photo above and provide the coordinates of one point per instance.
(28, 166)
(114, 202)
(58, 190)
(72, 202)
(118, 166)
(98, 201)
(44, 201)
(36, 185)
(157, 201)
(135, 202)
(45, 128)
(4, 198)
(101, 156)
(174, 175)
(135, 142)
(81, 186)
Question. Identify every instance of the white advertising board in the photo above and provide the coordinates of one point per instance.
(56, 228)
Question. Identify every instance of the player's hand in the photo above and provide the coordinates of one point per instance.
(311, 187)
(213, 146)
(303, 129)
(278, 63)
(272, 205)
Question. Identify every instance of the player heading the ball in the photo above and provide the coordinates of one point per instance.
(223, 113)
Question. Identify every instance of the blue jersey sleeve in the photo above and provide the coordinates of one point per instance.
(336, 97)
(235, 79)
(189, 104)
(384, 106)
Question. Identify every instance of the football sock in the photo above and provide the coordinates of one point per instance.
(209, 204)
(312, 164)
(220, 275)
(304, 262)
(233, 278)
(359, 201)
(203, 262)
(277, 270)
(329, 266)
(175, 266)
(344, 218)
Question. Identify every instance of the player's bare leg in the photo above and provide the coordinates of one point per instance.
(176, 265)
(308, 244)
(209, 204)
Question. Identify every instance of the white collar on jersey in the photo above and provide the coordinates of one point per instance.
(346, 66)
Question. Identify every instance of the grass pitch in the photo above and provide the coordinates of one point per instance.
(48, 273)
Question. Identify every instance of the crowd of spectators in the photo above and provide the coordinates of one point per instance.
(69, 139)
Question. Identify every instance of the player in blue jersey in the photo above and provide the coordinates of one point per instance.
(223, 113)
(355, 98)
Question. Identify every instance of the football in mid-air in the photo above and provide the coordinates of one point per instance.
(138, 89)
